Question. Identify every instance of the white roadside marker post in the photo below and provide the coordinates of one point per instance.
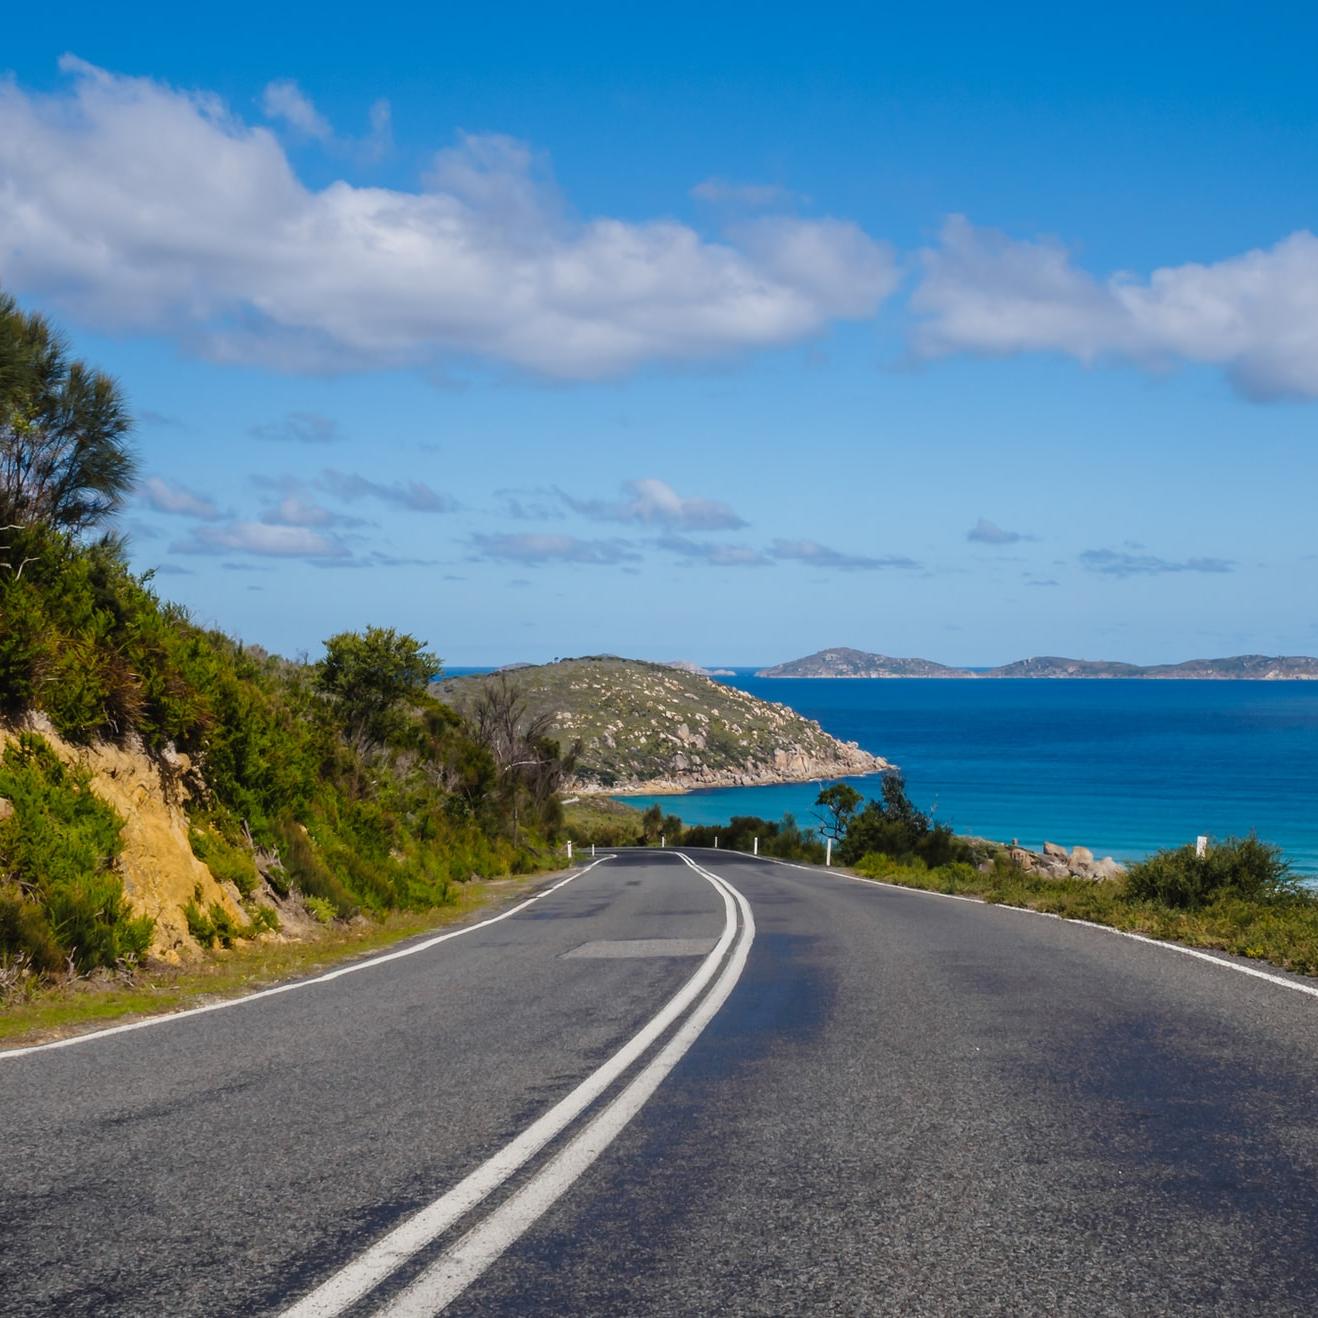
(592, 848)
(755, 850)
(662, 843)
(569, 849)
(715, 841)
(828, 852)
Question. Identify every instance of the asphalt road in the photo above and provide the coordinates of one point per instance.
(639, 1095)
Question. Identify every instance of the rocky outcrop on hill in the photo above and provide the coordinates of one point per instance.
(1056, 862)
(646, 727)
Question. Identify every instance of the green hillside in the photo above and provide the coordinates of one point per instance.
(632, 725)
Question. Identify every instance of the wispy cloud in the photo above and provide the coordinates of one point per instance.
(985, 532)
(1118, 563)
(485, 261)
(530, 548)
(299, 428)
(712, 553)
(415, 496)
(178, 500)
(1252, 315)
(652, 502)
(283, 100)
(539, 504)
(263, 540)
(149, 417)
(753, 196)
(814, 554)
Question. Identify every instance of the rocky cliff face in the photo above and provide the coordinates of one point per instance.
(650, 728)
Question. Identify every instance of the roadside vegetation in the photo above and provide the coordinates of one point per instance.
(341, 783)
(1239, 897)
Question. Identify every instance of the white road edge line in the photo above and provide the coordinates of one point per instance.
(463, 1262)
(374, 1264)
(166, 1018)
(1197, 953)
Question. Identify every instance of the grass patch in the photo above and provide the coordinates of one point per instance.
(1280, 926)
(604, 822)
(42, 1012)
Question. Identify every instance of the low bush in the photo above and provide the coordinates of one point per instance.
(321, 910)
(1279, 923)
(1239, 867)
(61, 896)
(229, 862)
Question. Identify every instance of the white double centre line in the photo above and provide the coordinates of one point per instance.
(459, 1265)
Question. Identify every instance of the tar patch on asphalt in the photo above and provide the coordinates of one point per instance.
(629, 947)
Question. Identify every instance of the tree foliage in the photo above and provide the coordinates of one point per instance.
(64, 458)
(894, 826)
(838, 802)
(529, 764)
(371, 676)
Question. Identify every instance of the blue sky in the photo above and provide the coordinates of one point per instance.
(711, 332)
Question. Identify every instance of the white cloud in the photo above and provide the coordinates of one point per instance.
(1254, 315)
(284, 100)
(178, 501)
(650, 502)
(293, 510)
(262, 539)
(137, 206)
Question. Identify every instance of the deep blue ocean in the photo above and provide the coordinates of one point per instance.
(1123, 767)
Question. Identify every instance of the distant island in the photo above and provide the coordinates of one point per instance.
(647, 727)
(845, 662)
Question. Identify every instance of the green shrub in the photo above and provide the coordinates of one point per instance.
(1239, 867)
(57, 865)
(200, 925)
(25, 931)
(216, 925)
(308, 873)
(263, 918)
(321, 909)
(229, 862)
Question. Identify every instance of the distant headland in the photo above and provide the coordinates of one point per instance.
(846, 662)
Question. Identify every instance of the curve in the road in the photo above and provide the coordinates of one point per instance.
(461, 1264)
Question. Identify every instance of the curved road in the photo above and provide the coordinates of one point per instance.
(701, 1085)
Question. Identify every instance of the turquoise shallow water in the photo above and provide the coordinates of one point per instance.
(1123, 767)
